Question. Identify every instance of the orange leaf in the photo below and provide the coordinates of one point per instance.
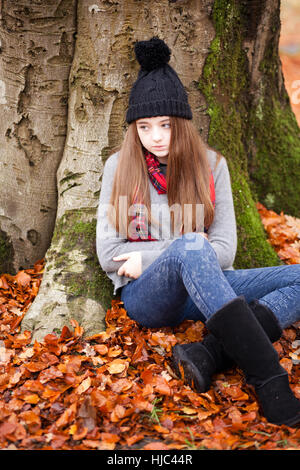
(84, 386)
(156, 446)
(33, 398)
(78, 330)
(36, 366)
(80, 434)
(232, 391)
(23, 279)
(287, 364)
(67, 416)
(118, 413)
(133, 439)
(32, 420)
(117, 366)
(101, 349)
(189, 411)
(7, 428)
(161, 429)
(103, 445)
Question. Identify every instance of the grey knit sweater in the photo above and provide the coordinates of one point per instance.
(221, 233)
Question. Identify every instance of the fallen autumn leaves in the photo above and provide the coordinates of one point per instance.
(115, 390)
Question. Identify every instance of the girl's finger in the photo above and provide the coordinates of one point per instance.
(122, 272)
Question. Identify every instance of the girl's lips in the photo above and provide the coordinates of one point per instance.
(159, 148)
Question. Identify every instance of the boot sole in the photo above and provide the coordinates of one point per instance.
(187, 371)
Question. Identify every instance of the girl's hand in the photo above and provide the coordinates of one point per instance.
(132, 266)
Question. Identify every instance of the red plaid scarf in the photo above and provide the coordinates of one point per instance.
(159, 181)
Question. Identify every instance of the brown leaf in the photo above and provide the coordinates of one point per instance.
(117, 413)
(32, 398)
(7, 428)
(36, 366)
(22, 278)
(121, 385)
(67, 416)
(32, 420)
(84, 386)
(117, 366)
(51, 373)
(287, 364)
(233, 391)
(101, 349)
(156, 446)
(133, 439)
(88, 414)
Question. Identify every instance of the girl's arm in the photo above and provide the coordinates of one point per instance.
(108, 243)
(222, 232)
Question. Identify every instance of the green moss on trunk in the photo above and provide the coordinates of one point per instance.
(274, 160)
(275, 179)
(225, 85)
(73, 254)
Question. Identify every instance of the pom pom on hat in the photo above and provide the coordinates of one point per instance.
(152, 54)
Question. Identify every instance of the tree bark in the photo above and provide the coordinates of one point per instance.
(36, 53)
(251, 119)
(273, 136)
(221, 61)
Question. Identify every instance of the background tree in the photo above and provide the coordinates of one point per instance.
(37, 47)
(226, 53)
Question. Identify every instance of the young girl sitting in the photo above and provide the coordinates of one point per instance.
(166, 237)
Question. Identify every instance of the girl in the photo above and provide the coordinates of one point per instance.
(166, 237)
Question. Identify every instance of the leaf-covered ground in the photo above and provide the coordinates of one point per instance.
(115, 390)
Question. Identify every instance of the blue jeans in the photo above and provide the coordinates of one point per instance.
(186, 283)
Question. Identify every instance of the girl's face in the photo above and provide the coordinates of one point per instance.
(155, 135)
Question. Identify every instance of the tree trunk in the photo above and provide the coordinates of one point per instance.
(36, 53)
(251, 119)
(212, 44)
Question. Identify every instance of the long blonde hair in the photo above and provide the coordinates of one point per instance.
(188, 175)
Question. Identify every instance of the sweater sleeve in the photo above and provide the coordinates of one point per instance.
(222, 232)
(108, 242)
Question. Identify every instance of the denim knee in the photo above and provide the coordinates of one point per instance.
(189, 243)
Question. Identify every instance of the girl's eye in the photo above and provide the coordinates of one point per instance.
(144, 128)
(167, 125)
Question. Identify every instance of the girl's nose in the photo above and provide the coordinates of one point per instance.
(156, 135)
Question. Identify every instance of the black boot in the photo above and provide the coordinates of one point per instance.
(196, 362)
(267, 319)
(245, 341)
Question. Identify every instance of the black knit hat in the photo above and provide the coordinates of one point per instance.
(158, 90)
